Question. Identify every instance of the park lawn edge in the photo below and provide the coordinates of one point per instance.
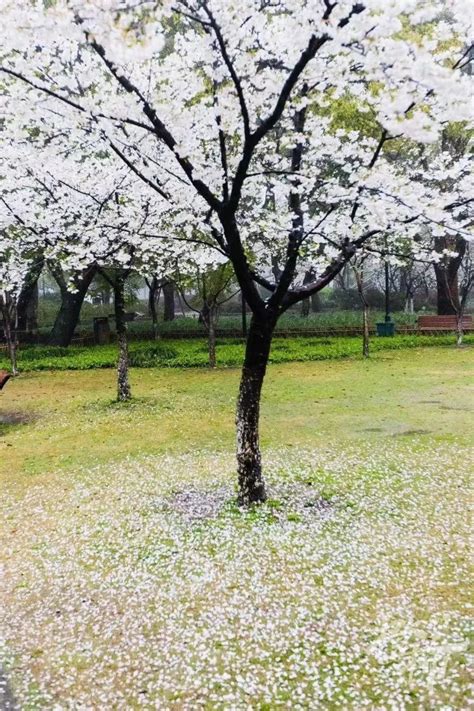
(193, 354)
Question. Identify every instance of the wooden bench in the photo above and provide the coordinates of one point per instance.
(4, 377)
(443, 323)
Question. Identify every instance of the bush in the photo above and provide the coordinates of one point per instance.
(193, 353)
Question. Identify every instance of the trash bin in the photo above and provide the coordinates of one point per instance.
(101, 330)
(385, 328)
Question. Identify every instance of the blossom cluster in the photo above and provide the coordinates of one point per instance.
(127, 126)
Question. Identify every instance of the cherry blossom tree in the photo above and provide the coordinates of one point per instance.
(226, 111)
(84, 217)
(16, 258)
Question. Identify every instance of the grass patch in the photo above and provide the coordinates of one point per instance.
(193, 353)
(76, 421)
(131, 579)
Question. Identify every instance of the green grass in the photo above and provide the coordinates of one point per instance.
(348, 589)
(193, 353)
(75, 420)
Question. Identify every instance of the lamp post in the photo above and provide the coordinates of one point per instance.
(387, 326)
(387, 293)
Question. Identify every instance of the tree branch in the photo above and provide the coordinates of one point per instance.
(348, 251)
(228, 62)
(159, 127)
(137, 172)
(73, 104)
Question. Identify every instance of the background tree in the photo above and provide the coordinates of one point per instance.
(27, 310)
(168, 300)
(359, 266)
(117, 277)
(16, 263)
(446, 271)
(211, 290)
(73, 289)
(154, 290)
(456, 294)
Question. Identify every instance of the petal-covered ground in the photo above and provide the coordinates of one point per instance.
(139, 584)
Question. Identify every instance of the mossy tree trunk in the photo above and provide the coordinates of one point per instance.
(249, 459)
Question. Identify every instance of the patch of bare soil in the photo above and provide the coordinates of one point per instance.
(284, 499)
(197, 504)
(16, 417)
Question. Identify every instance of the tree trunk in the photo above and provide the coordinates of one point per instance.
(359, 276)
(447, 275)
(123, 385)
(152, 305)
(69, 312)
(447, 290)
(12, 344)
(409, 304)
(316, 306)
(306, 303)
(204, 315)
(168, 297)
(366, 335)
(10, 337)
(27, 309)
(459, 329)
(251, 482)
(211, 330)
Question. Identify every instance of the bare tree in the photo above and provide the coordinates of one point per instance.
(212, 289)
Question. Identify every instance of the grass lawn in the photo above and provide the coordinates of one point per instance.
(194, 353)
(131, 580)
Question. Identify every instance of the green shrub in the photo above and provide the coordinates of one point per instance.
(193, 353)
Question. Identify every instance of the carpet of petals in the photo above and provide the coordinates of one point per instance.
(142, 585)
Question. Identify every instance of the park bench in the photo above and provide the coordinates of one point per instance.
(443, 323)
(4, 376)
